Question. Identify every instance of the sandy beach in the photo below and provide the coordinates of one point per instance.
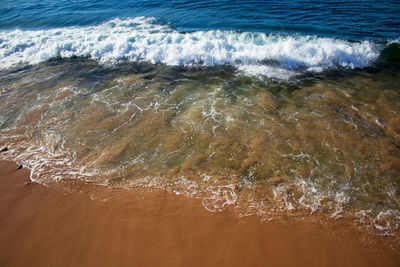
(98, 226)
(199, 133)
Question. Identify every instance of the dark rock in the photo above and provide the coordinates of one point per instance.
(28, 182)
(20, 167)
(4, 149)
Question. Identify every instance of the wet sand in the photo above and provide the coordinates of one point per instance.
(41, 226)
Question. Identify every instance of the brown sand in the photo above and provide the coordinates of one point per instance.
(42, 226)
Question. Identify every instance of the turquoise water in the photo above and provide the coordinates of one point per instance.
(354, 20)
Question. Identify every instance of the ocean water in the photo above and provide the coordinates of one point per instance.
(268, 108)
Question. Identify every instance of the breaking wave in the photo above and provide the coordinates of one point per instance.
(141, 39)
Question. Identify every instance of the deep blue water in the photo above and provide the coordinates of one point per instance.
(352, 20)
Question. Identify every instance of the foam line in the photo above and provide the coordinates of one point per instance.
(141, 39)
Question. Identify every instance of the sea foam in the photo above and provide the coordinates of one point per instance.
(141, 39)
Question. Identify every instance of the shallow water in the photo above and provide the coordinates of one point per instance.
(269, 108)
(324, 143)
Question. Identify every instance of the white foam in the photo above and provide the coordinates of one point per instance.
(140, 39)
(219, 197)
(394, 41)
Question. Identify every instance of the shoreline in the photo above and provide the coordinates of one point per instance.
(43, 226)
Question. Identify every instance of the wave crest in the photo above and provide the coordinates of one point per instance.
(141, 39)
